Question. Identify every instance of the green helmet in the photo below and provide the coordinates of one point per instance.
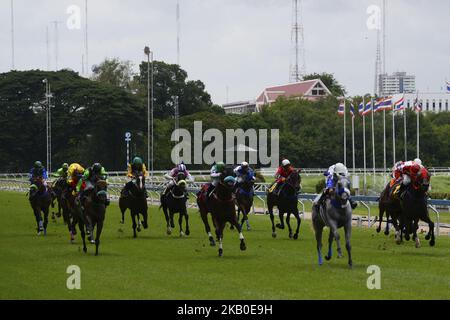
(38, 164)
(220, 166)
(137, 161)
(65, 166)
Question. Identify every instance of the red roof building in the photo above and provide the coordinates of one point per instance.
(310, 90)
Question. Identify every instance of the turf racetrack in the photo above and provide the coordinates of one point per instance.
(157, 266)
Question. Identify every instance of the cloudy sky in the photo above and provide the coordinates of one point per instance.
(240, 44)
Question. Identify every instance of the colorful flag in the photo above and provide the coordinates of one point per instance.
(368, 108)
(341, 110)
(418, 105)
(352, 110)
(377, 105)
(361, 108)
(448, 87)
(400, 104)
(386, 104)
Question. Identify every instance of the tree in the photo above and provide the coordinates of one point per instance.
(114, 72)
(330, 81)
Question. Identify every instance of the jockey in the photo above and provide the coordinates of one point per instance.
(90, 177)
(38, 172)
(396, 172)
(62, 172)
(410, 171)
(244, 173)
(332, 177)
(134, 169)
(283, 172)
(217, 171)
(74, 174)
(172, 176)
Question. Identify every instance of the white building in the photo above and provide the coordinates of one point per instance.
(398, 82)
(240, 107)
(431, 101)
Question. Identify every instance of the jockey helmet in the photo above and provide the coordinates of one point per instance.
(230, 180)
(418, 161)
(97, 167)
(220, 166)
(65, 166)
(38, 164)
(340, 169)
(137, 161)
(285, 163)
(244, 164)
(181, 167)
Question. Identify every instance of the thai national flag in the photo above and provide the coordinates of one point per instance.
(341, 110)
(377, 105)
(361, 108)
(418, 105)
(368, 108)
(386, 104)
(400, 104)
(352, 111)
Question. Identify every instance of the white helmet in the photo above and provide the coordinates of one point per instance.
(244, 164)
(285, 162)
(340, 169)
(418, 161)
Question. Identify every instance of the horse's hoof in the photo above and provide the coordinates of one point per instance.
(280, 226)
(122, 222)
(85, 250)
(340, 255)
(243, 246)
(328, 258)
(172, 225)
(45, 232)
(427, 237)
(92, 242)
(274, 234)
(220, 252)
(350, 265)
(290, 235)
(249, 229)
(432, 243)
(188, 232)
(138, 229)
(181, 234)
(296, 236)
(378, 230)
(212, 243)
(386, 233)
(169, 232)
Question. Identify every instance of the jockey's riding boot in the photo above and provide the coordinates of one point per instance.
(353, 203)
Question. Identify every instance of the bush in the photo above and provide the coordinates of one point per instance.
(320, 185)
(259, 177)
(439, 195)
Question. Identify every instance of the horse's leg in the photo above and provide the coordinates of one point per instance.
(330, 246)
(334, 230)
(145, 215)
(166, 215)
(386, 230)
(186, 217)
(247, 212)
(219, 231)
(133, 219)
(46, 212)
(348, 234)
(172, 223)
(299, 221)
(82, 228)
(414, 230)
(235, 222)
(272, 219)
(180, 223)
(281, 216)
(395, 223)
(97, 236)
(288, 222)
(318, 232)
(430, 234)
(204, 216)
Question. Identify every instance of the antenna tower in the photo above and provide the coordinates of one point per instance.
(298, 66)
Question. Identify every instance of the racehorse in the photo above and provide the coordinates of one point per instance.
(174, 201)
(70, 209)
(40, 200)
(286, 201)
(335, 213)
(244, 201)
(391, 205)
(221, 204)
(93, 213)
(136, 202)
(414, 205)
(58, 188)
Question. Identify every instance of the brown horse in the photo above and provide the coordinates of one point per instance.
(391, 205)
(244, 201)
(93, 214)
(40, 200)
(58, 186)
(287, 203)
(221, 204)
(136, 202)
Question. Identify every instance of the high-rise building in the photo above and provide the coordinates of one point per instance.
(398, 82)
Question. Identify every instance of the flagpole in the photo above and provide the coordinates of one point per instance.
(353, 141)
(404, 124)
(345, 137)
(384, 143)
(393, 134)
(373, 144)
(418, 128)
(364, 145)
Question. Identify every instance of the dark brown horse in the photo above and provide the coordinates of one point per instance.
(287, 202)
(221, 204)
(244, 201)
(58, 186)
(175, 201)
(93, 214)
(40, 200)
(136, 202)
(414, 203)
(390, 204)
